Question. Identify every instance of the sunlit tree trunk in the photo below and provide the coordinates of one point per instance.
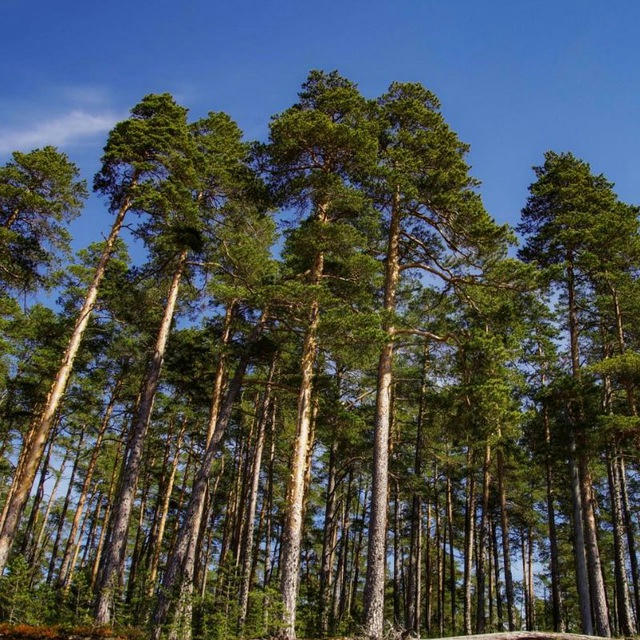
(292, 530)
(33, 447)
(113, 559)
(374, 584)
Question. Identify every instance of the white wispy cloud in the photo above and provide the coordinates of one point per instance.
(62, 130)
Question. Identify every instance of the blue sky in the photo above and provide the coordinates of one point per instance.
(514, 78)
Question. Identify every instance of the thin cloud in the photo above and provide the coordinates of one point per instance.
(64, 130)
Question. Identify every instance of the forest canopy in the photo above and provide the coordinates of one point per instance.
(333, 398)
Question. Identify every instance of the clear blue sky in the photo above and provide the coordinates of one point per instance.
(514, 78)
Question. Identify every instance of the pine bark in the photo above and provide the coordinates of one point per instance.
(33, 448)
(506, 544)
(114, 557)
(178, 574)
(66, 568)
(292, 530)
(374, 583)
(247, 544)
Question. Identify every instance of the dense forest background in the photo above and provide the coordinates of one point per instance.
(335, 398)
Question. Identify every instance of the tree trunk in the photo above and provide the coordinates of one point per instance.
(375, 579)
(66, 570)
(164, 512)
(38, 546)
(483, 542)
(178, 574)
(113, 560)
(328, 540)
(625, 611)
(28, 541)
(506, 551)
(551, 521)
(596, 583)
(33, 448)
(496, 568)
(292, 531)
(65, 508)
(247, 545)
(631, 541)
(105, 522)
(582, 576)
(469, 540)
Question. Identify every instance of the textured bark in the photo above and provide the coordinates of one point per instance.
(483, 541)
(374, 583)
(114, 557)
(247, 545)
(105, 522)
(496, 569)
(469, 543)
(428, 574)
(292, 530)
(28, 541)
(164, 513)
(33, 448)
(38, 546)
(596, 582)
(329, 536)
(556, 602)
(66, 568)
(506, 550)
(178, 574)
(626, 622)
(65, 508)
(631, 542)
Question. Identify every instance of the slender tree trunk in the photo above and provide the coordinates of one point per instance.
(496, 568)
(525, 581)
(531, 592)
(38, 546)
(582, 575)
(178, 575)
(596, 582)
(105, 522)
(396, 555)
(483, 542)
(66, 571)
(506, 551)
(428, 577)
(65, 508)
(137, 545)
(164, 512)
(292, 532)
(556, 603)
(33, 448)
(415, 552)
(452, 559)
(469, 540)
(328, 540)
(631, 541)
(374, 583)
(113, 560)
(623, 601)
(27, 544)
(250, 515)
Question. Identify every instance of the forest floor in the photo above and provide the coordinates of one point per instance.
(28, 632)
